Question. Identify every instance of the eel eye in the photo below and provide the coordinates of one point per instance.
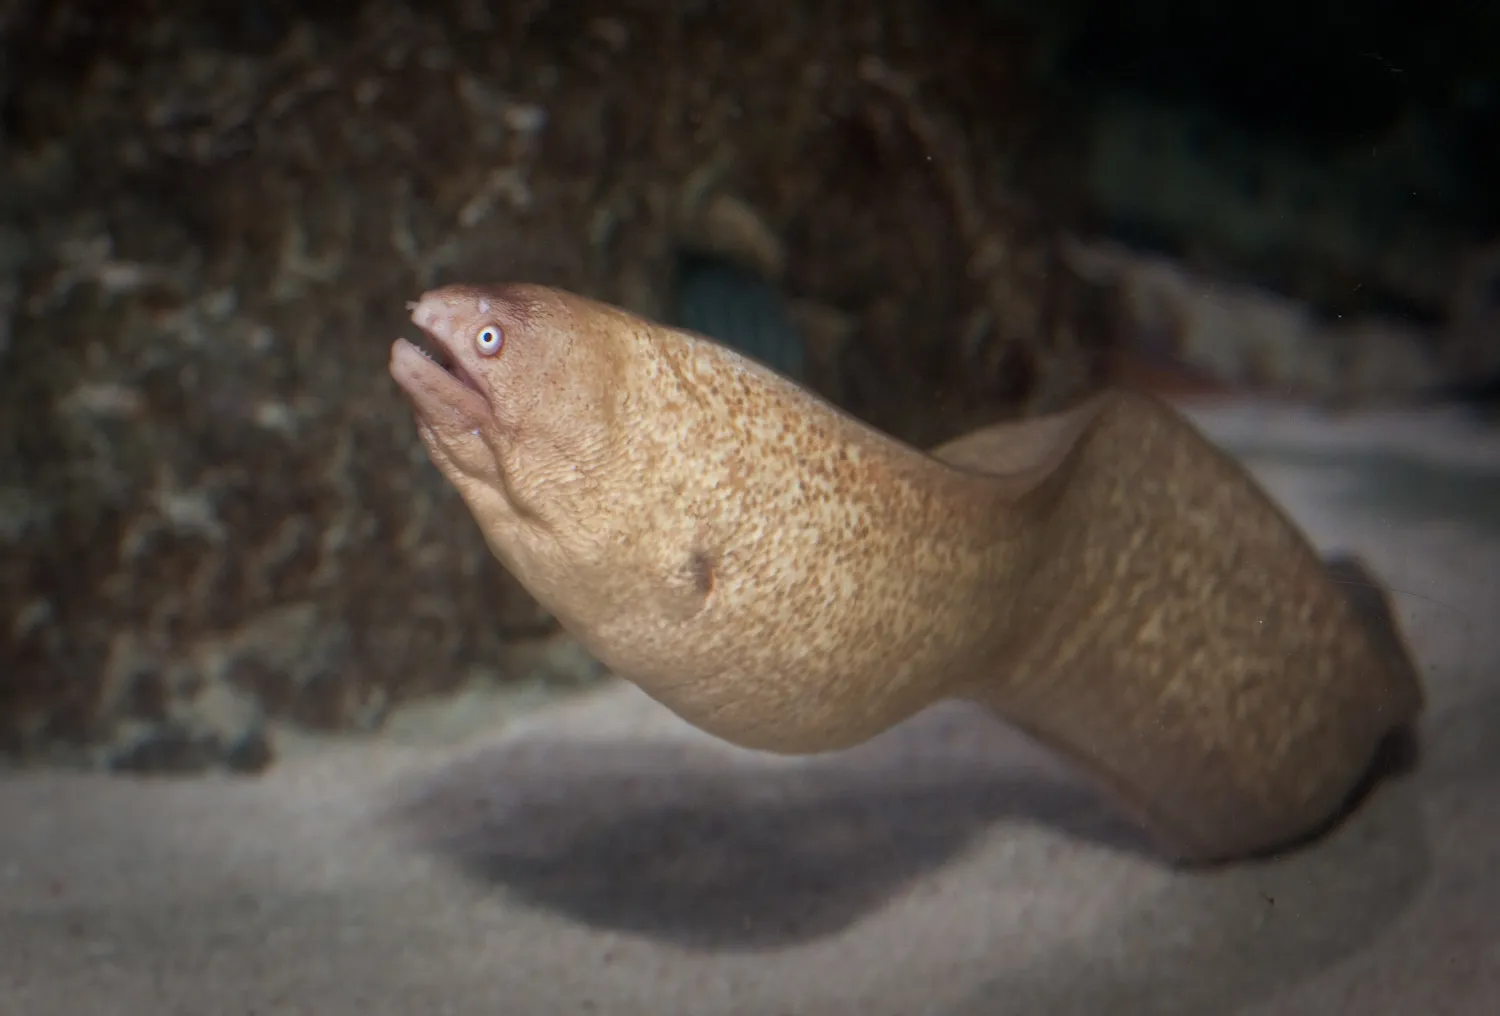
(489, 340)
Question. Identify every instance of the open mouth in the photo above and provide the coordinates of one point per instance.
(434, 350)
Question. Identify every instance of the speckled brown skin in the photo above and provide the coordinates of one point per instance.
(789, 579)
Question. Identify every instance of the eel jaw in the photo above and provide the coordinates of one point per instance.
(435, 378)
(452, 416)
(442, 395)
(438, 336)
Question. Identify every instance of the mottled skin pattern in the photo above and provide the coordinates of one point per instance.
(789, 579)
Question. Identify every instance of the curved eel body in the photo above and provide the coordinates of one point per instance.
(789, 579)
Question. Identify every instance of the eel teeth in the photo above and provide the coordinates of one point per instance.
(429, 348)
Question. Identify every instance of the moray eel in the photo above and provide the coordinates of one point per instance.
(789, 579)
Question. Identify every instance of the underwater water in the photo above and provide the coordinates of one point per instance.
(732, 304)
(1067, 594)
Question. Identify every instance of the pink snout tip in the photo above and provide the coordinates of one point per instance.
(432, 316)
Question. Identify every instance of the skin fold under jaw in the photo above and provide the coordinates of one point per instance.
(790, 579)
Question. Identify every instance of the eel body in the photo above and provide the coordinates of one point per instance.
(789, 579)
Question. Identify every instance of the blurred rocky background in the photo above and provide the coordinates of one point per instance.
(216, 522)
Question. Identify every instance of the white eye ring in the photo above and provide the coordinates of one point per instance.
(489, 340)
